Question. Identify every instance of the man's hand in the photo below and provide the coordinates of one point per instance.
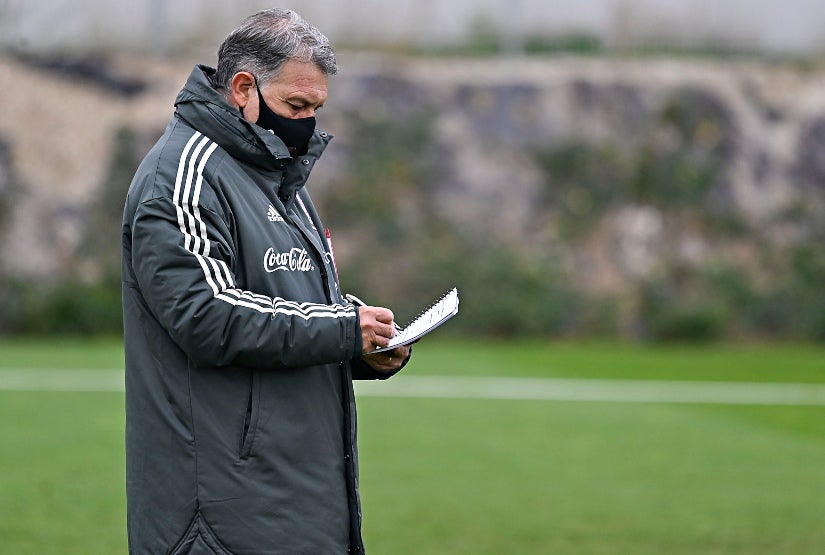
(388, 361)
(376, 331)
(376, 327)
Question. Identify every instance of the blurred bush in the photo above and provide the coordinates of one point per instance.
(65, 308)
(8, 183)
(723, 302)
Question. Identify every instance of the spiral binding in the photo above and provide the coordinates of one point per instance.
(432, 306)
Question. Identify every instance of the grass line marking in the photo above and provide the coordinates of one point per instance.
(594, 390)
(58, 379)
(454, 387)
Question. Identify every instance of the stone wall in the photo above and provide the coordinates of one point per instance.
(618, 177)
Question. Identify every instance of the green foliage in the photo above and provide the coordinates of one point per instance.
(9, 184)
(573, 43)
(677, 163)
(671, 178)
(685, 322)
(387, 160)
(582, 182)
(487, 41)
(669, 313)
(65, 308)
(802, 297)
(503, 294)
(681, 159)
(722, 301)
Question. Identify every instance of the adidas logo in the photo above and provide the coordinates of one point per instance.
(273, 215)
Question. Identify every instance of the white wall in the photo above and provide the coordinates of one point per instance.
(795, 26)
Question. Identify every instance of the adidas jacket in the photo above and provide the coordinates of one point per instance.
(240, 350)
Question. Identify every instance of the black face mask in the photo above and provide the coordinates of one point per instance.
(295, 133)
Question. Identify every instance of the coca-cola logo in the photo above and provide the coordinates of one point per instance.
(294, 260)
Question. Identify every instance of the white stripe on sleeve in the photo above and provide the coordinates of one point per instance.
(188, 183)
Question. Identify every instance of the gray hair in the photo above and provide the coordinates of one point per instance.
(265, 41)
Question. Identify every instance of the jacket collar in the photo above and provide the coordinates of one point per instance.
(206, 110)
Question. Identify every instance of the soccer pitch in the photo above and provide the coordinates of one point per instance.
(465, 469)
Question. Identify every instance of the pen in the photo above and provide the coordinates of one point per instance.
(355, 300)
(358, 302)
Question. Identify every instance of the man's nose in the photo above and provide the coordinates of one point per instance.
(307, 112)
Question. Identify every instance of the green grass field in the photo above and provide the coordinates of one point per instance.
(469, 476)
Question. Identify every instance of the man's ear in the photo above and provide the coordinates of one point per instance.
(242, 91)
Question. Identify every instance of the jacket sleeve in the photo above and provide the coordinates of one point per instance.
(185, 277)
(363, 371)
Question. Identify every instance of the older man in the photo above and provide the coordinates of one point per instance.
(240, 349)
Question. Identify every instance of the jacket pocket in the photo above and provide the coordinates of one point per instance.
(250, 424)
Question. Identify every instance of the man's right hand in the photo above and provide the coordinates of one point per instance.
(376, 327)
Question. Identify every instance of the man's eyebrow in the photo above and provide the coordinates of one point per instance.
(305, 100)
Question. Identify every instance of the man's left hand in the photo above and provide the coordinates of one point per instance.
(388, 361)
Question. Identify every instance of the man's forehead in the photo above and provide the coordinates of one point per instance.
(302, 75)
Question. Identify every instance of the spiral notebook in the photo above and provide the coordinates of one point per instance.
(442, 310)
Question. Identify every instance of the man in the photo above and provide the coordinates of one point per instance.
(240, 349)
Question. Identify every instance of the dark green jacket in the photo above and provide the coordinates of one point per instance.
(240, 350)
